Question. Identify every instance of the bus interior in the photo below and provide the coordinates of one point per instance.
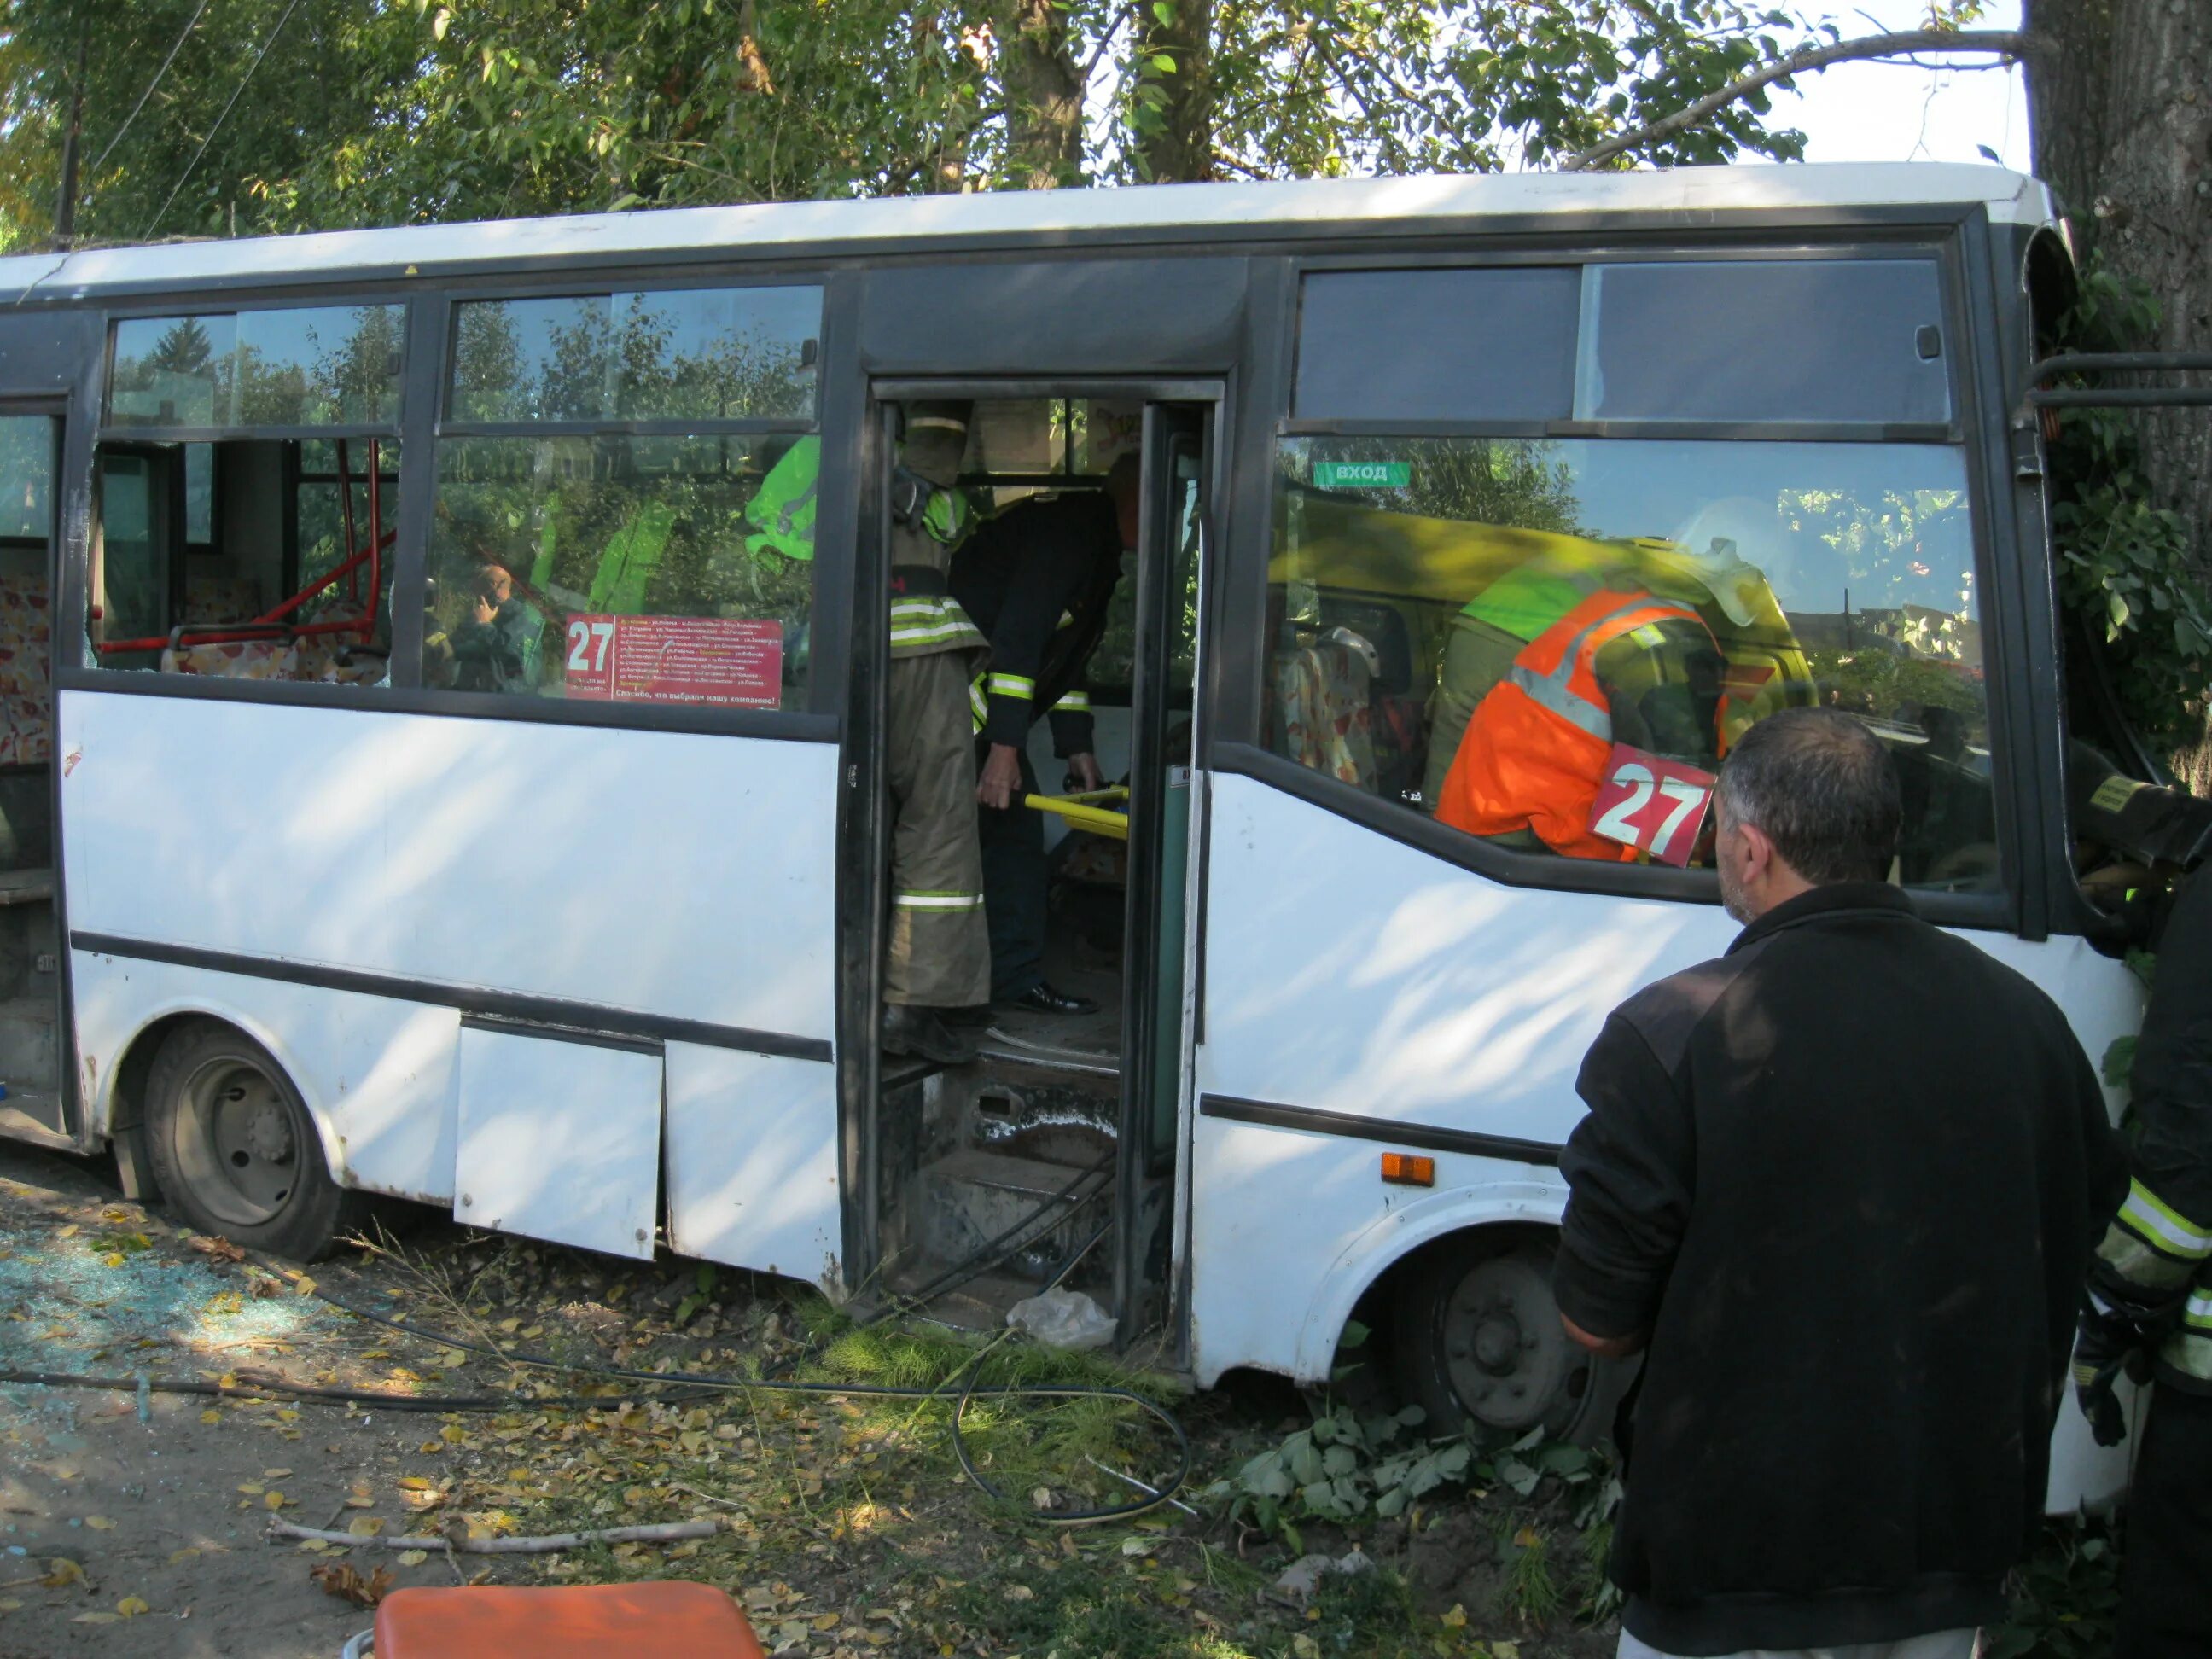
(1047, 1159)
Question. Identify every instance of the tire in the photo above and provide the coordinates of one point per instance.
(1476, 1342)
(235, 1150)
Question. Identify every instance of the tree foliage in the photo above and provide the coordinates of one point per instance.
(381, 112)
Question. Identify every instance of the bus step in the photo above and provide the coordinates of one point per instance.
(973, 1197)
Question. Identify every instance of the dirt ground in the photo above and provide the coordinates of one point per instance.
(137, 1525)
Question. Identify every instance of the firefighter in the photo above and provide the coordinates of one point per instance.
(1038, 579)
(939, 953)
(2147, 1311)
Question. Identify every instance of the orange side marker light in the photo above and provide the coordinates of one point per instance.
(1405, 1169)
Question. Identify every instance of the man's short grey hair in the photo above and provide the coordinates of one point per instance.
(1821, 786)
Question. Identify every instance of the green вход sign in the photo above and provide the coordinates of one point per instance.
(1363, 474)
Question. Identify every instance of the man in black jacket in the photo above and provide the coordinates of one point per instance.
(1037, 579)
(1841, 1185)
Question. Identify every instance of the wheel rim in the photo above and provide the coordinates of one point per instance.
(238, 1141)
(1506, 1356)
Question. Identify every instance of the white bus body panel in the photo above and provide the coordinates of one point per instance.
(1349, 973)
(752, 1167)
(683, 876)
(557, 1140)
(377, 1073)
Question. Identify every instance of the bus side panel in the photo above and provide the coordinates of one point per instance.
(665, 875)
(377, 1073)
(752, 1159)
(1347, 974)
(659, 872)
(2102, 1000)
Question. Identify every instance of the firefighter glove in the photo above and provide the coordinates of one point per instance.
(2106, 1343)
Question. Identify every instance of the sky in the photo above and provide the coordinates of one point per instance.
(1885, 112)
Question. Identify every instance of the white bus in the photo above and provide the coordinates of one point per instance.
(425, 776)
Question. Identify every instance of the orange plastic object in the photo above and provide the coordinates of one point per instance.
(580, 1622)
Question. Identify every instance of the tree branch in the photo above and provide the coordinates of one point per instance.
(2005, 43)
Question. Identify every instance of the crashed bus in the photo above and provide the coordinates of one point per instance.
(441, 763)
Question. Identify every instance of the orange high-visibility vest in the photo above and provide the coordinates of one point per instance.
(1534, 754)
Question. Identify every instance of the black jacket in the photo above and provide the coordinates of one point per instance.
(1036, 579)
(1847, 1177)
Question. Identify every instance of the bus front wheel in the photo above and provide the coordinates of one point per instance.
(235, 1149)
(1477, 1344)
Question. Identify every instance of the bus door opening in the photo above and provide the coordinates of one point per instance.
(33, 1087)
(1038, 1150)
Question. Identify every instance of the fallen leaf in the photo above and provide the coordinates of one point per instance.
(274, 1474)
(1455, 1619)
(178, 1558)
(413, 1558)
(365, 1526)
(99, 1523)
(275, 1500)
(210, 1415)
(61, 1572)
(416, 1482)
(63, 1471)
(131, 1606)
(345, 1581)
(10, 1604)
(220, 1248)
(97, 1618)
(252, 1488)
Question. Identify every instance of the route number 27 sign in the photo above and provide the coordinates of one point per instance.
(1652, 803)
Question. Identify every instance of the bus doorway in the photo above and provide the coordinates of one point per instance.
(1048, 1157)
(34, 1086)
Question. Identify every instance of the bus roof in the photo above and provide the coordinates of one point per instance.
(1161, 212)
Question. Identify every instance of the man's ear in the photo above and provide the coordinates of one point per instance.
(1757, 851)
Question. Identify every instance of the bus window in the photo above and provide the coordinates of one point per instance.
(1482, 628)
(574, 555)
(231, 541)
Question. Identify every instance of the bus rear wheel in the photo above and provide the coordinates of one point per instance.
(1478, 1345)
(235, 1149)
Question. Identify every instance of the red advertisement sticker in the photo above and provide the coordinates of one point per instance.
(722, 661)
(1652, 803)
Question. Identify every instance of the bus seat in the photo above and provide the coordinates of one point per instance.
(325, 656)
(26, 671)
(237, 659)
(1323, 710)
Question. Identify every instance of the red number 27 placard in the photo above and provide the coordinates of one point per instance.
(1652, 803)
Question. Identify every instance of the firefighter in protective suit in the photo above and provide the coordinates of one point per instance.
(2149, 1308)
(939, 953)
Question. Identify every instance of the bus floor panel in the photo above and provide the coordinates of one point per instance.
(1083, 1043)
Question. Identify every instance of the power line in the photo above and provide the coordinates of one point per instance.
(150, 85)
(219, 119)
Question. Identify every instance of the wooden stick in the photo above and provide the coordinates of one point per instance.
(664, 1532)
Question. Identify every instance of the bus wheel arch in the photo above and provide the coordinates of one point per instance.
(1476, 1339)
(230, 1140)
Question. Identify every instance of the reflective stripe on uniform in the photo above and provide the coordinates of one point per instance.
(938, 901)
(1075, 702)
(1011, 685)
(932, 619)
(1554, 691)
(2163, 1227)
(2196, 1312)
(978, 705)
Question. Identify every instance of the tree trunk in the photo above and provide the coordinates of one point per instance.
(1180, 149)
(1044, 95)
(72, 141)
(2120, 105)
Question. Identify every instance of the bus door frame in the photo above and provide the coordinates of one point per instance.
(864, 820)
